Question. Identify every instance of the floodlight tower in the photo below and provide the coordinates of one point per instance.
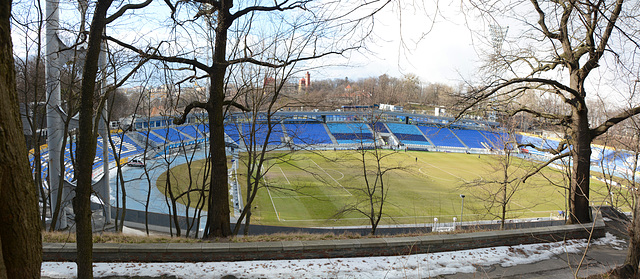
(57, 54)
(498, 33)
(54, 119)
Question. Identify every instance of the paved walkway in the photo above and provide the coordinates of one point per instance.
(598, 259)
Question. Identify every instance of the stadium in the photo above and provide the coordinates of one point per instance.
(311, 188)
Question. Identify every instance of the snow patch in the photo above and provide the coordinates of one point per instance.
(411, 266)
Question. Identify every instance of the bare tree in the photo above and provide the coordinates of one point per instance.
(621, 176)
(370, 195)
(312, 30)
(87, 132)
(261, 93)
(503, 181)
(20, 239)
(561, 45)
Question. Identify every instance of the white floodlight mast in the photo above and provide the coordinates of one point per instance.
(54, 122)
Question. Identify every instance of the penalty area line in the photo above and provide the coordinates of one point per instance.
(433, 166)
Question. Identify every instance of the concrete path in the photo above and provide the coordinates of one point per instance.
(598, 259)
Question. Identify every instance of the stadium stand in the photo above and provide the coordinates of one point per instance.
(471, 138)
(350, 133)
(171, 135)
(203, 128)
(151, 136)
(242, 133)
(259, 136)
(379, 127)
(191, 131)
(442, 137)
(408, 134)
(495, 137)
(232, 131)
(307, 133)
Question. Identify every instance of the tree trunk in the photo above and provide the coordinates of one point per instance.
(633, 253)
(247, 222)
(21, 253)
(86, 149)
(503, 207)
(630, 267)
(579, 211)
(218, 222)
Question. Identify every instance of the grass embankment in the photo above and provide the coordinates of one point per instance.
(109, 237)
(309, 189)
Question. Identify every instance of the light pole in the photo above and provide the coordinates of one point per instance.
(461, 209)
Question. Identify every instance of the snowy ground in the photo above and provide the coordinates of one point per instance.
(412, 266)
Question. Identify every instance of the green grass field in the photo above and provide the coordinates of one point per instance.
(309, 189)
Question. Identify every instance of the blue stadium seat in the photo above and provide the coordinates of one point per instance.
(204, 128)
(351, 133)
(190, 131)
(152, 137)
(259, 136)
(441, 136)
(307, 133)
(242, 133)
(379, 127)
(408, 134)
(171, 134)
(472, 138)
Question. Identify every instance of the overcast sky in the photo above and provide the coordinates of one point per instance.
(435, 47)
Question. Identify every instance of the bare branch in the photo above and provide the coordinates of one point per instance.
(604, 127)
(562, 146)
(235, 104)
(125, 8)
(542, 22)
(154, 56)
(286, 63)
(490, 90)
(561, 118)
(187, 110)
(604, 40)
(545, 164)
(277, 7)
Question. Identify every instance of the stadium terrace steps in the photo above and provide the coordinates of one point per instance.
(245, 133)
(351, 133)
(471, 138)
(307, 133)
(408, 134)
(380, 127)
(316, 133)
(442, 137)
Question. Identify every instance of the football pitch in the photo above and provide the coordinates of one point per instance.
(315, 188)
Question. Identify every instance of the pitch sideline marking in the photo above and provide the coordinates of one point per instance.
(302, 196)
(433, 176)
(331, 177)
(271, 198)
(522, 206)
(285, 176)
